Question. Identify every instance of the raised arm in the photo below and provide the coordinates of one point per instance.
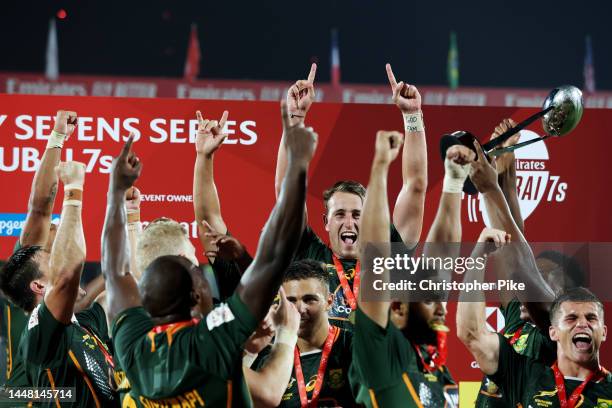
(268, 384)
(205, 197)
(134, 227)
(300, 97)
(471, 308)
(518, 260)
(506, 172)
(410, 204)
(375, 219)
(281, 234)
(121, 288)
(44, 186)
(68, 251)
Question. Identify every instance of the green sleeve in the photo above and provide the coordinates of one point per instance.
(376, 352)
(94, 318)
(44, 340)
(221, 336)
(512, 372)
(311, 247)
(129, 327)
(512, 316)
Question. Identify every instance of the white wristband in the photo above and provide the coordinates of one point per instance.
(56, 140)
(248, 359)
(73, 186)
(73, 203)
(413, 122)
(285, 336)
(454, 176)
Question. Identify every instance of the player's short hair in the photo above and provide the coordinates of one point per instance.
(307, 269)
(166, 286)
(162, 236)
(344, 186)
(578, 294)
(571, 267)
(17, 274)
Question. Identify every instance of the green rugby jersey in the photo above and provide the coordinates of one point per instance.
(186, 363)
(532, 343)
(14, 320)
(335, 390)
(59, 355)
(531, 383)
(387, 373)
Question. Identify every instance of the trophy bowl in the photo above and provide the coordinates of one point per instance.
(566, 113)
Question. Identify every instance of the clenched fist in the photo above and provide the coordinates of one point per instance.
(71, 173)
(388, 145)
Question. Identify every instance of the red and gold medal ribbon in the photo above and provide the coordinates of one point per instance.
(350, 295)
(561, 391)
(297, 364)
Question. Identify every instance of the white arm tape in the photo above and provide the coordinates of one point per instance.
(413, 122)
(56, 140)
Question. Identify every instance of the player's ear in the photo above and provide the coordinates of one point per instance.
(38, 287)
(552, 332)
(325, 221)
(195, 298)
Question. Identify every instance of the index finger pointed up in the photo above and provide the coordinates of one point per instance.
(312, 73)
(479, 151)
(200, 118)
(284, 115)
(127, 147)
(283, 296)
(223, 119)
(391, 77)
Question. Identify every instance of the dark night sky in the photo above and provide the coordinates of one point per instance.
(501, 43)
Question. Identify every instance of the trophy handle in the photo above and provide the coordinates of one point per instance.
(506, 135)
(501, 150)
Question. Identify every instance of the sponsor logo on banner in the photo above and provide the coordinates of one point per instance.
(495, 319)
(535, 183)
(11, 224)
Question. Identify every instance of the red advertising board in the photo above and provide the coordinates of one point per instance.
(563, 187)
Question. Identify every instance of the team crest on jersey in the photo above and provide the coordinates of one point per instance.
(535, 184)
(335, 378)
(521, 344)
(604, 403)
(543, 398)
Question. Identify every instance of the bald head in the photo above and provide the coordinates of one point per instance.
(166, 287)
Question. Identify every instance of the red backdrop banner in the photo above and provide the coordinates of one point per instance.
(563, 189)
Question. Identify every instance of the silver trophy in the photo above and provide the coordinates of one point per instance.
(561, 113)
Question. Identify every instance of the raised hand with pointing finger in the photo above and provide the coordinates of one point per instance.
(300, 97)
(126, 168)
(405, 96)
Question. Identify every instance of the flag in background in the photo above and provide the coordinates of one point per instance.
(453, 62)
(335, 58)
(589, 68)
(192, 62)
(52, 58)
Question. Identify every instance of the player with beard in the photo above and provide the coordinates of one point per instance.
(403, 363)
(559, 271)
(167, 357)
(323, 352)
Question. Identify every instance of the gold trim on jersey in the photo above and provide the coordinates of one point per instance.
(373, 398)
(412, 391)
(9, 366)
(52, 382)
